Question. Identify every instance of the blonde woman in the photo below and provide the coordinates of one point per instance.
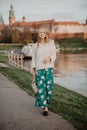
(43, 57)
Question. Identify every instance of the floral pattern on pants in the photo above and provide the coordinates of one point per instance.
(44, 82)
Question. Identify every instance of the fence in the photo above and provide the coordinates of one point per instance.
(16, 60)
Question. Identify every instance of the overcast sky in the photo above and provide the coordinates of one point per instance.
(36, 10)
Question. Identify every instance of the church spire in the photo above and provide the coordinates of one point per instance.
(1, 19)
(11, 15)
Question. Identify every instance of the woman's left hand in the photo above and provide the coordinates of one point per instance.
(47, 60)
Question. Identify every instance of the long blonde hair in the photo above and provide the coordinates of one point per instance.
(46, 39)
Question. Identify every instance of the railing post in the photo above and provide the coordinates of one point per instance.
(16, 60)
(18, 65)
(21, 58)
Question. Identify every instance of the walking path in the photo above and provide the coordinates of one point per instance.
(17, 111)
(3, 65)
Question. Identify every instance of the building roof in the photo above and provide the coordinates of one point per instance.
(37, 23)
(67, 23)
(34, 23)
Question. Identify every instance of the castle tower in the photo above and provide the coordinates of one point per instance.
(11, 16)
(1, 20)
(86, 21)
(23, 19)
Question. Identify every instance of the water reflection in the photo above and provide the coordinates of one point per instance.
(70, 63)
(70, 71)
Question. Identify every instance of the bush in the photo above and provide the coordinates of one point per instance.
(71, 42)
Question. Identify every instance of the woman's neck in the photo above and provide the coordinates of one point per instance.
(42, 41)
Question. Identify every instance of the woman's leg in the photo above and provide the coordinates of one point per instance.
(41, 84)
(49, 84)
(49, 88)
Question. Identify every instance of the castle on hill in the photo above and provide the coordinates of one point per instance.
(56, 29)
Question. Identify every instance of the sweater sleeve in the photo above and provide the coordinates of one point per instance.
(53, 51)
(33, 57)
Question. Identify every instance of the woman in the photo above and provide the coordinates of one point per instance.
(43, 57)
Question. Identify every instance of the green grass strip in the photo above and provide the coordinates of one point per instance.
(3, 59)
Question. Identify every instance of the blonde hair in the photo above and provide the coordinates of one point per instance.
(46, 39)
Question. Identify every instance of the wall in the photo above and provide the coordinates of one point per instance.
(70, 28)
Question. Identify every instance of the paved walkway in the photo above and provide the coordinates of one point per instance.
(17, 111)
(3, 65)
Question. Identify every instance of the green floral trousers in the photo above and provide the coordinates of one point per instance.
(44, 82)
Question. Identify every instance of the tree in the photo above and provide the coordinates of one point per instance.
(7, 35)
(15, 36)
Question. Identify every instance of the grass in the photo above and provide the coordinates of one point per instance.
(20, 77)
(73, 45)
(3, 58)
(10, 46)
(70, 105)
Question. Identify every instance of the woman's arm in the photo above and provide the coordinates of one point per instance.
(34, 60)
(52, 56)
(53, 51)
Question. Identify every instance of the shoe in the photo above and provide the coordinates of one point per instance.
(45, 113)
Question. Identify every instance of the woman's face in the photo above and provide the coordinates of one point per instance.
(42, 34)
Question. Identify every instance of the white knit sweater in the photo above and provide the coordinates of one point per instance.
(42, 52)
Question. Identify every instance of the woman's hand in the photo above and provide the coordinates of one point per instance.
(47, 60)
(34, 72)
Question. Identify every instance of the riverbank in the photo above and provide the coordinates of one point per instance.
(70, 105)
(74, 45)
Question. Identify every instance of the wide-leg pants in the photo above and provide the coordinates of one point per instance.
(44, 82)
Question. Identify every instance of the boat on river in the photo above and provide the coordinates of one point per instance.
(27, 51)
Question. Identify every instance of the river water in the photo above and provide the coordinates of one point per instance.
(70, 71)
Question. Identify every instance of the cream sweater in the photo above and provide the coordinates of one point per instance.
(42, 52)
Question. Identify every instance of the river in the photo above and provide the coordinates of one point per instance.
(70, 71)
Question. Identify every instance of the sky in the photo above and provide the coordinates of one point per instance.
(37, 10)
